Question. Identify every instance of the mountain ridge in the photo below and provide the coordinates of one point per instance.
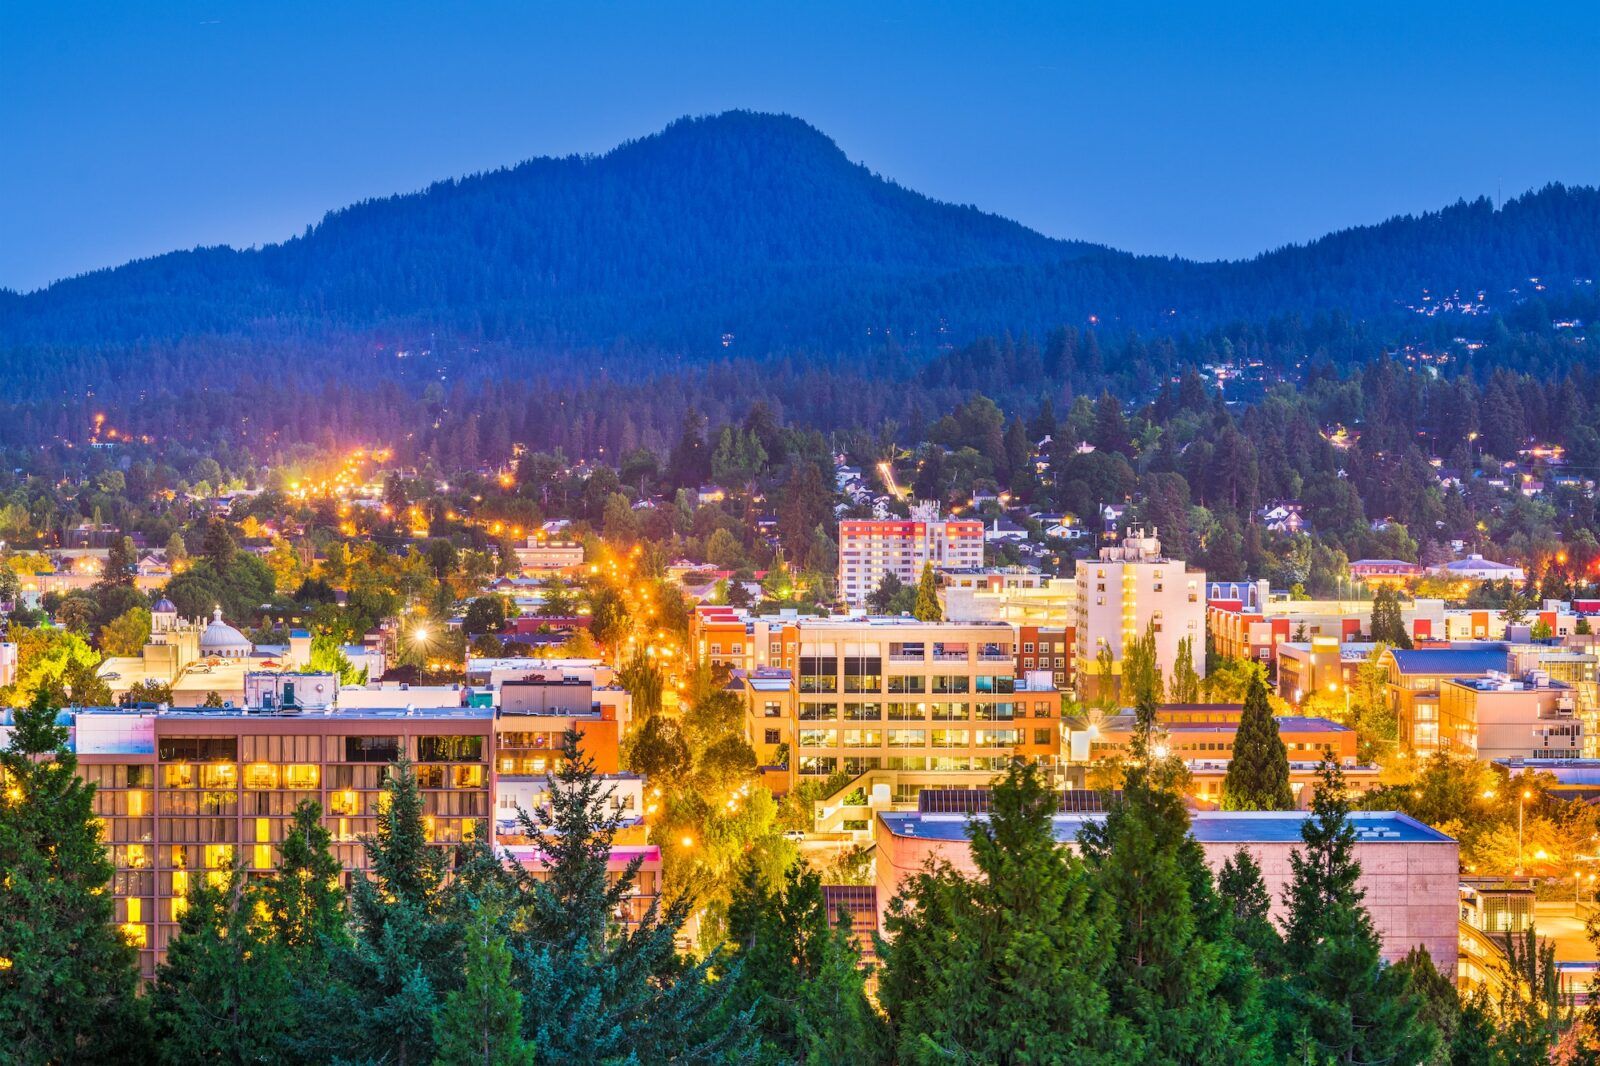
(755, 232)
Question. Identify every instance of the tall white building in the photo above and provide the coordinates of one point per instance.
(870, 549)
(1130, 587)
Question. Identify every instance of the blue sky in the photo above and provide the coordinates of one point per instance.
(1219, 130)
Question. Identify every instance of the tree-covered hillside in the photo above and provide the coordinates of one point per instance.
(750, 233)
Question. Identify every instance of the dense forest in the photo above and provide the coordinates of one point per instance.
(741, 236)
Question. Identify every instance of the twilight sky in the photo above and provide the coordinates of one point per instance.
(1199, 129)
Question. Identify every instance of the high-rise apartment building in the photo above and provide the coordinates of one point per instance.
(1132, 587)
(870, 549)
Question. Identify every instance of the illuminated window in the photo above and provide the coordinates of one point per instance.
(178, 775)
(263, 856)
(345, 802)
(136, 935)
(261, 775)
(218, 855)
(135, 909)
(138, 804)
(134, 856)
(301, 776)
(219, 775)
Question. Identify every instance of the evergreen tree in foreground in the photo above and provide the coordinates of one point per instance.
(1340, 997)
(1258, 772)
(800, 976)
(1180, 979)
(481, 1022)
(1240, 884)
(388, 982)
(303, 901)
(223, 993)
(1441, 1004)
(67, 975)
(594, 988)
(1010, 966)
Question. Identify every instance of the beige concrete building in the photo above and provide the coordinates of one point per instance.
(938, 700)
(1129, 588)
(1409, 871)
(1500, 717)
(996, 596)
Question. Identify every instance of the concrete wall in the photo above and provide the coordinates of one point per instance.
(1411, 888)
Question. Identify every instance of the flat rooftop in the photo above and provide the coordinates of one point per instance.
(338, 713)
(1208, 827)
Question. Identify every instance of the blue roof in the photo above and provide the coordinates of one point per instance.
(1208, 827)
(1458, 661)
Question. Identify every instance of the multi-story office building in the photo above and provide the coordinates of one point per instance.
(186, 793)
(1128, 589)
(870, 549)
(925, 703)
(1047, 649)
(1245, 623)
(1501, 717)
(1415, 678)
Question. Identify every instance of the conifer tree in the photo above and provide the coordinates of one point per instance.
(303, 902)
(594, 988)
(1010, 965)
(481, 1022)
(1240, 884)
(1178, 977)
(223, 994)
(926, 608)
(1441, 1003)
(1473, 1041)
(1339, 993)
(1388, 625)
(387, 983)
(1258, 773)
(800, 976)
(67, 973)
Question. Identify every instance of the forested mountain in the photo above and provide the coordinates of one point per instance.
(588, 304)
(754, 233)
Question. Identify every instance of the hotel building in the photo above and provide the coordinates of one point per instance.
(187, 793)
